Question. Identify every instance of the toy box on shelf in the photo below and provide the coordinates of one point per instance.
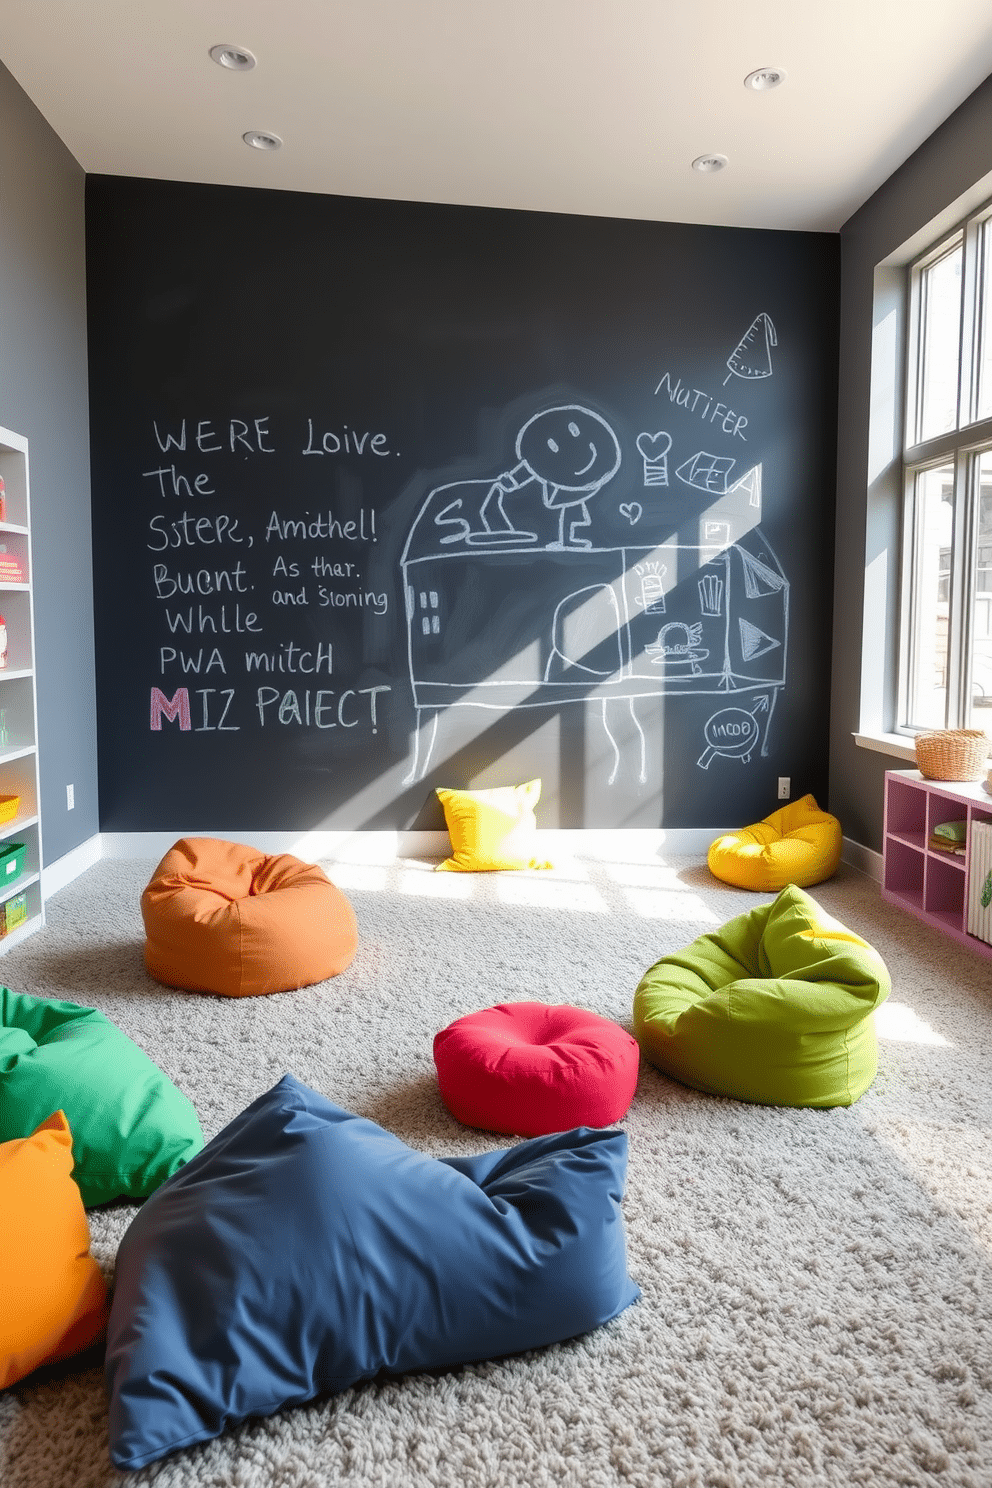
(13, 913)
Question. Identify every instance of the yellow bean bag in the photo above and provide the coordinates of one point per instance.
(799, 844)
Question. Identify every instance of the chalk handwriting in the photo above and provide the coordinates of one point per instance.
(187, 531)
(205, 694)
(181, 485)
(694, 400)
(190, 661)
(325, 525)
(170, 708)
(198, 581)
(353, 599)
(290, 657)
(318, 708)
(208, 441)
(349, 441)
(226, 620)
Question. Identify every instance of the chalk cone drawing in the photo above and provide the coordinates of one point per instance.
(760, 578)
(751, 358)
(653, 449)
(524, 591)
(754, 642)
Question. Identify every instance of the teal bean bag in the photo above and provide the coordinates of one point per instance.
(775, 1007)
(131, 1128)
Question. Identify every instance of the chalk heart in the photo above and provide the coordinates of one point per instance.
(654, 446)
(632, 510)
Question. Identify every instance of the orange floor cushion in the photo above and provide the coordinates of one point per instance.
(798, 844)
(224, 918)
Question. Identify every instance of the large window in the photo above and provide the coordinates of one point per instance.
(946, 671)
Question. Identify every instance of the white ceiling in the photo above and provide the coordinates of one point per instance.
(579, 106)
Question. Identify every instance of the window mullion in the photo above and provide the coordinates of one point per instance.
(971, 295)
(962, 552)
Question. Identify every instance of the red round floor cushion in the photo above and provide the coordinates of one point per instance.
(530, 1068)
(221, 917)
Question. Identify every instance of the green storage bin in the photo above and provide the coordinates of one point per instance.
(11, 862)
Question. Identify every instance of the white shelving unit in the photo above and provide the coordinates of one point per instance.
(18, 698)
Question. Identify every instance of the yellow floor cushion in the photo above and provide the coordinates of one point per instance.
(798, 844)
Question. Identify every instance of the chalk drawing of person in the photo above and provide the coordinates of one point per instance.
(570, 452)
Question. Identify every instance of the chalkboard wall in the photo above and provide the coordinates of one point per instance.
(389, 496)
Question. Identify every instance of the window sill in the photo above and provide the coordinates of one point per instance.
(897, 745)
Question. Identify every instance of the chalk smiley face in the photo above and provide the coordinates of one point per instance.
(571, 449)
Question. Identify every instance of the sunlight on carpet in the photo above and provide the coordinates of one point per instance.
(896, 1021)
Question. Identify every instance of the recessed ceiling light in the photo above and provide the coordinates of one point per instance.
(764, 78)
(261, 139)
(709, 163)
(237, 59)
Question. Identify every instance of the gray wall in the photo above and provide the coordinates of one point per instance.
(946, 167)
(43, 395)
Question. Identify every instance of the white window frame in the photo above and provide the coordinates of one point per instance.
(961, 448)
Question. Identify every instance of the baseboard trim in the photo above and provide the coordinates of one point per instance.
(636, 842)
(863, 858)
(55, 876)
(379, 846)
(625, 843)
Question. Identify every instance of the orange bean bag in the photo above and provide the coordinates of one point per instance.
(221, 917)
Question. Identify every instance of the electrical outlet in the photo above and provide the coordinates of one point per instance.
(784, 787)
(70, 797)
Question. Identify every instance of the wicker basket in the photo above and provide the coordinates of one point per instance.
(952, 754)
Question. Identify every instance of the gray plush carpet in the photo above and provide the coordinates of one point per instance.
(817, 1285)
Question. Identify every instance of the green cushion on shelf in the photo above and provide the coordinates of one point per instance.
(775, 1007)
(131, 1127)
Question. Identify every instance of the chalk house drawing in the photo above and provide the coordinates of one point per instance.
(599, 615)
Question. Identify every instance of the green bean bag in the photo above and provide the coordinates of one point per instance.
(775, 1007)
(131, 1128)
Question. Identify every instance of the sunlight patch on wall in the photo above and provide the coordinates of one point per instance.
(900, 1024)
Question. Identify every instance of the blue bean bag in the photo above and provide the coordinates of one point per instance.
(306, 1249)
